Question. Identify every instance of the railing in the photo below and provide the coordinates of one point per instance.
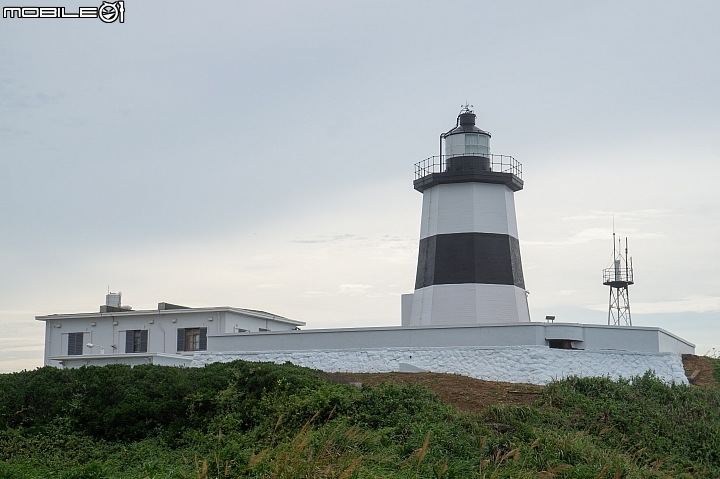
(494, 163)
(618, 275)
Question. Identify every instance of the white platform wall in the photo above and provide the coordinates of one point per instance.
(520, 364)
(582, 336)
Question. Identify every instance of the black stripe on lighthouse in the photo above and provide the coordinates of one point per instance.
(458, 258)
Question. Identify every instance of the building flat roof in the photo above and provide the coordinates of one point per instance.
(247, 312)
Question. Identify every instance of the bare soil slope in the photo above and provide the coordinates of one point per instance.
(466, 393)
(699, 370)
(471, 394)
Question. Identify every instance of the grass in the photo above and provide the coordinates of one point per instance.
(716, 369)
(281, 421)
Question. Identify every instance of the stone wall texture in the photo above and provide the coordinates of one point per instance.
(519, 364)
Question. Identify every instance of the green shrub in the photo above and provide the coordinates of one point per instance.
(119, 402)
(642, 413)
(716, 370)
(264, 420)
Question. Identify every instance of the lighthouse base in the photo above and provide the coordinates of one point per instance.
(471, 303)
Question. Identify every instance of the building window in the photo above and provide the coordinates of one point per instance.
(192, 339)
(136, 341)
(75, 344)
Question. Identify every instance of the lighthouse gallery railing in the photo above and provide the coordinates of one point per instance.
(497, 163)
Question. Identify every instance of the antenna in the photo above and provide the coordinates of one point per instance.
(619, 278)
(613, 237)
(626, 253)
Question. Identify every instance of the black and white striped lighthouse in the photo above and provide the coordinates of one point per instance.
(469, 269)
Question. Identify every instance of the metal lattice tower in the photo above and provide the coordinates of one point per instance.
(619, 276)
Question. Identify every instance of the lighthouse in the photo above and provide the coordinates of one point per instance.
(469, 269)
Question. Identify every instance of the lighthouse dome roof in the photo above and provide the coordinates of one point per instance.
(466, 124)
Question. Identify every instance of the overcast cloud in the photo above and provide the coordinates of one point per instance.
(260, 155)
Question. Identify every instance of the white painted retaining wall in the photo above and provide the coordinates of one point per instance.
(520, 364)
(132, 359)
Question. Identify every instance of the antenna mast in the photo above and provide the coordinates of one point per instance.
(619, 278)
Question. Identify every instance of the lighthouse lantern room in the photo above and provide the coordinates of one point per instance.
(469, 269)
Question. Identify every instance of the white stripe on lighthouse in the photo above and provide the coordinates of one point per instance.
(469, 304)
(468, 208)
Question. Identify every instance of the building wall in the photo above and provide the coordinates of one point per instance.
(523, 364)
(108, 329)
(406, 302)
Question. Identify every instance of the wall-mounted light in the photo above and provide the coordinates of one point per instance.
(93, 323)
(91, 345)
(114, 323)
(210, 319)
(174, 320)
(57, 325)
(152, 321)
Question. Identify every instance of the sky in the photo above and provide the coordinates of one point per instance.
(260, 155)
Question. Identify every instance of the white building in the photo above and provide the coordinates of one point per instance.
(169, 335)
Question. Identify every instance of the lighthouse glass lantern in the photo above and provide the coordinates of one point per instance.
(466, 138)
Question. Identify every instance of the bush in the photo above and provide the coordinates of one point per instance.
(265, 420)
(119, 402)
(643, 412)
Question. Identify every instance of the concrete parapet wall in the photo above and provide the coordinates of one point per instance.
(521, 364)
(583, 336)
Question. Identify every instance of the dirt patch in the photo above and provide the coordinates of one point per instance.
(471, 394)
(699, 370)
(466, 393)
